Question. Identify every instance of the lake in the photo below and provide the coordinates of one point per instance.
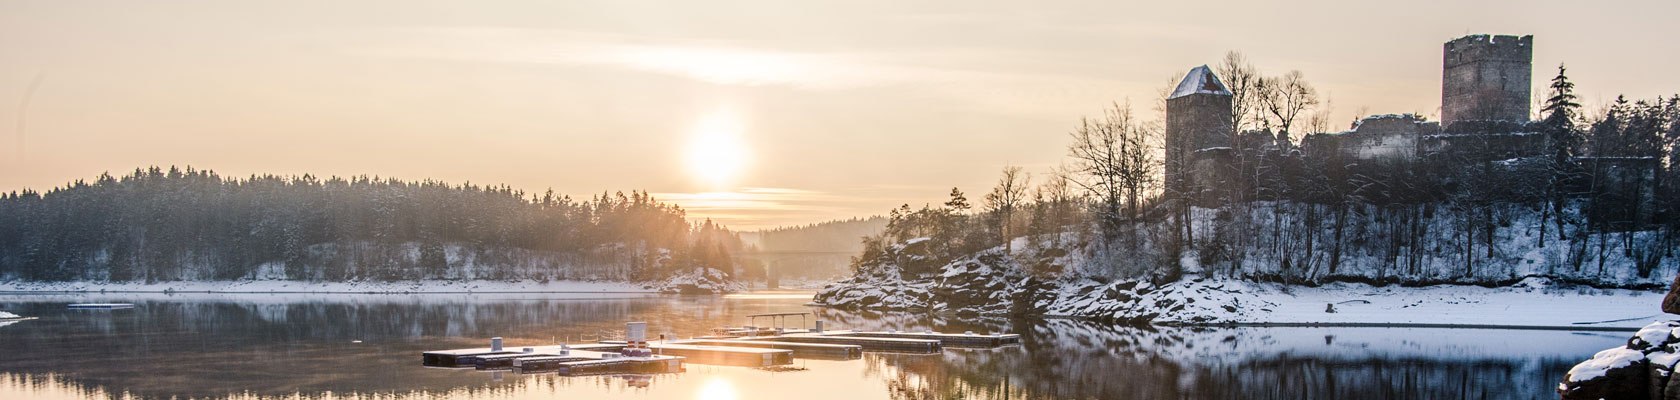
(368, 346)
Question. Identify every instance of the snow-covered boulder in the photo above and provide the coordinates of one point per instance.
(698, 281)
(882, 289)
(1643, 369)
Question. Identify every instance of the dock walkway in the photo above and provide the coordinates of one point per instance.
(738, 346)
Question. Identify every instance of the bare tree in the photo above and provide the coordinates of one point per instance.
(1319, 120)
(1285, 98)
(1117, 155)
(1006, 198)
(1241, 79)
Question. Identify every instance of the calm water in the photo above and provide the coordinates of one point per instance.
(302, 346)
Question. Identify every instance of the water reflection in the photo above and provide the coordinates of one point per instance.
(305, 346)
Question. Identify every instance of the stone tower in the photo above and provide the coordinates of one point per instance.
(1486, 78)
(1198, 127)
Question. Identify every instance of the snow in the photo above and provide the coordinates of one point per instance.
(1654, 333)
(1536, 304)
(1666, 360)
(1603, 362)
(7, 315)
(700, 280)
(980, 287)
(1200, 80)
(288, 286)
(1521, 305)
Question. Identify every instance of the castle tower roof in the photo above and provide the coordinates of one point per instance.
(1200, 80)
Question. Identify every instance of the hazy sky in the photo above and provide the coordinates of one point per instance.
(757, 113)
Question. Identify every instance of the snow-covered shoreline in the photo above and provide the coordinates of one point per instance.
(973, 287)
(284, 286)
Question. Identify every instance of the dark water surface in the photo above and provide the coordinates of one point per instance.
(303, 346)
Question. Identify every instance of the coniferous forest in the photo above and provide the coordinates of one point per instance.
(157, 224)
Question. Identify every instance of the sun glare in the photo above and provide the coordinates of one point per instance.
(716, 152)
(717, 389)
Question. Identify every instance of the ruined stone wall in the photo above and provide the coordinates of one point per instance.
(1386, 137)
(1486, 77)
(1194, 122)
(1481, 147)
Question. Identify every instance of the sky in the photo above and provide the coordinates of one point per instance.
(754, 113)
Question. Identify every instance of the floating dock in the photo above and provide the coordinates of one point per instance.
(897, 345)
(800, 350)
(966, 340)
(740, 346)
(586, 358)
(739, 356)
(586, 363)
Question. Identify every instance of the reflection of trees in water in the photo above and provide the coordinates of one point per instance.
(515, 385)
(212, 349)
(209, 349)
(1073, 360)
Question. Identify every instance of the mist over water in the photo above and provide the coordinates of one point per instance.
(305, 346)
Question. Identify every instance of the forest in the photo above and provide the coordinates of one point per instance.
(157, 224)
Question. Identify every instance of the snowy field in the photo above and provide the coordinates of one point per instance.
(282, 286)
(1532, 303)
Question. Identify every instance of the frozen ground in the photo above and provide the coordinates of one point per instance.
(1531, 303)
(283, 286)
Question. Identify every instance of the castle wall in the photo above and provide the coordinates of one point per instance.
(1481, 147)
(1385, 137)
(1194, 122)
(1486, 77)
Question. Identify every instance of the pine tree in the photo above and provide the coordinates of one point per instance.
(958, 203)
(1563, 137)
(1559, 124)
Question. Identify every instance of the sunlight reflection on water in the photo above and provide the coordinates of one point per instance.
(263, 346)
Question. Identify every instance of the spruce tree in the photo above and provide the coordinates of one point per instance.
(1563, 137)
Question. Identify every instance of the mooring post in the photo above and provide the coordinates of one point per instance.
(818, 328)
(496, 343)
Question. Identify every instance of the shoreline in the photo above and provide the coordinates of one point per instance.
(27, 292)
(1531, 305)
(1410, 325)
(353, 287)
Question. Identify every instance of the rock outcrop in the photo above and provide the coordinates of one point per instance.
(698, 281)
(997, 284)
(1643, 369)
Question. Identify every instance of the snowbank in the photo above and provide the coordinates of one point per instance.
(7, 315)
(286, 286)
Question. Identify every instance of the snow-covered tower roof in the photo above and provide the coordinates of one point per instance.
(1200, 80)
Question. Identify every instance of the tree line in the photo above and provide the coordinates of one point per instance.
(158, 224)
(1597, 204)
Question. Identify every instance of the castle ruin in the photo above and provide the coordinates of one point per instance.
(1485, 107)
(1486, 78)
(1198, 131)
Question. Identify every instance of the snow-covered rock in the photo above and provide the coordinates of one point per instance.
(7, 315)
(994, 282)
(1643, 369)
(698, 281)
(1028, 282)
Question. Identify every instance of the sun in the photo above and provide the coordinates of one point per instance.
(716, 152)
